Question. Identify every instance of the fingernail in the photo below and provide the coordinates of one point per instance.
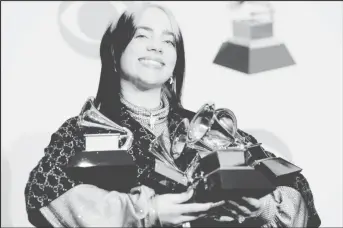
(245, 198)
(218, 203)
(202, 215)
(190, 190)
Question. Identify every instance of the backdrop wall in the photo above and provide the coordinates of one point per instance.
(50, 66)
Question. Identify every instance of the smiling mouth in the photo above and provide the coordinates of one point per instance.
(151, 63)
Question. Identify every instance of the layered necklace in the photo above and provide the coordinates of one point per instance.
(151, 118)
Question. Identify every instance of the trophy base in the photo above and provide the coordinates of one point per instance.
(253, 56)
(233, 183)
(221, 159)
(120, 179)
(90, 168)
(87, 159)
(277, 168)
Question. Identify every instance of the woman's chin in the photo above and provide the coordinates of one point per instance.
(148, 85)
(152, 83)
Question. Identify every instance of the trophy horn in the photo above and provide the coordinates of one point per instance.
(180, 138)
(227, 119)
(208, 130)
(159, 149)
(91, 117)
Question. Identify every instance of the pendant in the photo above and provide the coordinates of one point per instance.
(152, 122)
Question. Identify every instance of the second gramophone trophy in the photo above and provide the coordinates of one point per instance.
(228, 164)
(220, 170)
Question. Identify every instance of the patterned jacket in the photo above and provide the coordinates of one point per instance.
(50, 179)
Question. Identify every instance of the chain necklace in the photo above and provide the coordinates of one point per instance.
(151, 117)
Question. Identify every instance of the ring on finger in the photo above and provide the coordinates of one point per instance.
(241, 219)
(186, 224)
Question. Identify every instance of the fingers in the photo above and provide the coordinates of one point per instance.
(194, 207)
(231, 213)
(251, 203)
(239, 208)
(189, 218)
(182, 197)
(226, 219)
(234, 215)
(218, 204)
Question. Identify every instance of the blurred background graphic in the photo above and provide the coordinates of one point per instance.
(50, 65)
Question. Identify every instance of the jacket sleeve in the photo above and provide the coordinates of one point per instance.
(89, 206)
(284, 207)
(292, 203)
(54, 198)
(48, 180)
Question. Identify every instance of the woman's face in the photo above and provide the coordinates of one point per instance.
(149, 59)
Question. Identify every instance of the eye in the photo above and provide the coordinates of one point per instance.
(141, 36)
(170, 42)
(82, 24)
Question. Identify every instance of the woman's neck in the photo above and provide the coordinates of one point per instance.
(148, 99)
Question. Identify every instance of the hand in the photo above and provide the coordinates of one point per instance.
(246, 208)
(172, 210)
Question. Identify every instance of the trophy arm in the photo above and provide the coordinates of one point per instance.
(101, 126)
(128, 137)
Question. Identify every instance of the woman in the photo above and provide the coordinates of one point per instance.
(143, 65)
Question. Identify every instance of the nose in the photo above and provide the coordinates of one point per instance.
(155, 46)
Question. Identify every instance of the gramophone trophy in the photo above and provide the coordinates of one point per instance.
(106, 145)
(214, 152)
(90, 117)
(227, 165)
(170, 176)
(253, 47)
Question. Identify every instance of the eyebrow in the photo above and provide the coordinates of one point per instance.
(165, 32)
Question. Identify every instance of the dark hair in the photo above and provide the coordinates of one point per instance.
(114, 42)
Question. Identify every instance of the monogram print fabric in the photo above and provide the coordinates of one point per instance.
(49, 179)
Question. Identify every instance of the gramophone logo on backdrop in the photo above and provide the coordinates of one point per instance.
(82, 24)
(253, 49)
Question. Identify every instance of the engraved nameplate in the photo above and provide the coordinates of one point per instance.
(102, 142)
